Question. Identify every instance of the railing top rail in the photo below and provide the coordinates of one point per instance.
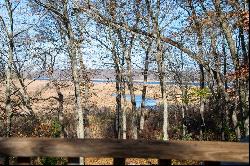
(182, 150)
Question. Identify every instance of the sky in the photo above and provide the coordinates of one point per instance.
(94, 56)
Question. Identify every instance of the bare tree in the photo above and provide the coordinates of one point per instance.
(61, 14)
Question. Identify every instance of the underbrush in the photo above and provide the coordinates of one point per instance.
(100, 123)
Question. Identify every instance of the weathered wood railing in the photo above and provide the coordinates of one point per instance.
(165, 151)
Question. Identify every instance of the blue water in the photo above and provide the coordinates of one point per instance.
(149, 83)
(149, 102)
(42, 78)
(138, 99)
(136, 82)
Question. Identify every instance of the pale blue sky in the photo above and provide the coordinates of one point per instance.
(92, 53)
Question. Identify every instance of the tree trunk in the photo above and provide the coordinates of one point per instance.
(202, 100)
(165, 118)
(124, 123)
(118, 98)
(118, 108)
(222, 97)
(75, 75)
(124, 116)
(198, 28)
(144, 90)
(225, 65)
(132, 94)
(127, 54)
(246, 125)
(24, 94)
(236, 125)
(8, 90)
(60, 115)
(243, 47)
(183, 109)
(247, 114)
(161, 67)
(85, 81)
(118, 77)
(232, 47)
(161, 71)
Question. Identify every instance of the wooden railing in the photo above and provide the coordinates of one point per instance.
(121, 149)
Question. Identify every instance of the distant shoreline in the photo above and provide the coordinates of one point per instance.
(150, 82)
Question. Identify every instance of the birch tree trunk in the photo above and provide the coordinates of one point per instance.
(124, 110)
(118, 83)
(183, 109)
(80, 129)
(124, 122)
(67, 31)
(144, 90)
(165, 117)
(199, 31)
(202, 100)
(8, 90)
(25, 98)
(72, 50)
(127, 55)
(246, 125)
(145, 73)
(161, 72)
(132, 94)
(75, 75)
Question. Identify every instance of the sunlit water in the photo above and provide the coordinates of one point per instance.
(149, 102)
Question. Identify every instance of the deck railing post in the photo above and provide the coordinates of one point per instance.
(119, 161)
(212, 163)
(23, 161)
(73, 161)
(164, 161)
(2, 159)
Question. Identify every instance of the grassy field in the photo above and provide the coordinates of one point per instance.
(101, 115)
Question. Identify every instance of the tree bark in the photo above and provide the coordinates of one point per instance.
(246, 125)
(243, 47)
(60, 116)
(202, 100)
(183, 109)
(75, 76)
(161, 72)
(8, 90)
(25, 98)
(232, 47)
(124, 110)
(118, 90)
(72, 50)
(199, 32)
(144, 90)
(127, 55)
